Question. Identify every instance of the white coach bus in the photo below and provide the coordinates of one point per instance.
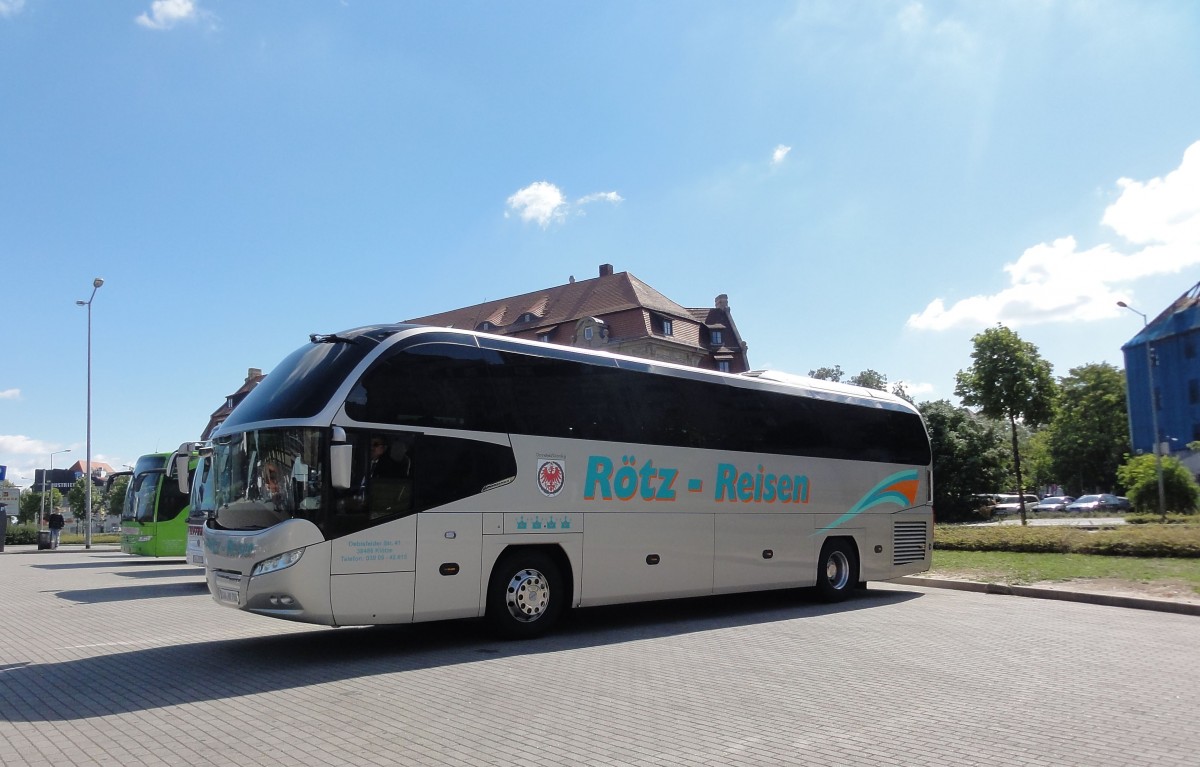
(397, 473)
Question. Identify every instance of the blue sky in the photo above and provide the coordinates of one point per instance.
(871, 183)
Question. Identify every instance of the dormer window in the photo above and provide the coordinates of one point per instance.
(485, 326)
(717, 337)
(668, 327)
(544, 337)
(587, 333)
(526, 317)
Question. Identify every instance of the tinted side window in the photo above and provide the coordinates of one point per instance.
(170, 501)
(427, 472)
(429, 385)
(559, 398)
(664, 410)
(449, 469)
(573, 398)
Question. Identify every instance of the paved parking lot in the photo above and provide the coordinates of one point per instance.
(110, 659)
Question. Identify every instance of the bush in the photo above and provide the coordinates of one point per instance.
(1126, 541)
(1154, 519)
(16, 535)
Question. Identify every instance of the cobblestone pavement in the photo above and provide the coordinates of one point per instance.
(107, 659)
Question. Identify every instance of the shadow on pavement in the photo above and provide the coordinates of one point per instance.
(125, 593)
(110, 564)
(237, 667)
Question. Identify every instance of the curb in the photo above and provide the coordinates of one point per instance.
(1108, 600)
(67, 548)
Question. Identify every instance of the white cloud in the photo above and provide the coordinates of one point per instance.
(20, 444)
(612, 197)
(544, 203)
(25, 455)
(11, 7)
(1058, 282)
(541, 201)
(10, 394)
(780, 154)
(166, 14)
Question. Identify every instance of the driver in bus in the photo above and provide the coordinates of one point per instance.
(389, 488)
(271, 484)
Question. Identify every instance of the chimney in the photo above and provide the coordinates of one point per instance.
(253, 373)
(723, 302)
(606, 270)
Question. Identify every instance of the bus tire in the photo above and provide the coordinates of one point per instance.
(526, 594)
(837, 570)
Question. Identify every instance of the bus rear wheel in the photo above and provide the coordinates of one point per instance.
(525, 594)
(837, 571)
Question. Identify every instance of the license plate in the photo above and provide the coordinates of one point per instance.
(228, 595)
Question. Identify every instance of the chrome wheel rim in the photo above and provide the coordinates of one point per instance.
(837, 570)
(527, 595)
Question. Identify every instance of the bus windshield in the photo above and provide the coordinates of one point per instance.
(302, 384)
(265, 476)
(142, 491)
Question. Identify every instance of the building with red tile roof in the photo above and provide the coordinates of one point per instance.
(614, 312)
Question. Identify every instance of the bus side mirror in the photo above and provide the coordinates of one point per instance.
(341, 458)
(181, 473)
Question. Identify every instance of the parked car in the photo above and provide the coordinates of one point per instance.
(1094, 503)
(1010, 503)
(1053, 503)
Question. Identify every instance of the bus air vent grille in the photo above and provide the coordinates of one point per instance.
(908, 542)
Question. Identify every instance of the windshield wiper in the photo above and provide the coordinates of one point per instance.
(329, 338)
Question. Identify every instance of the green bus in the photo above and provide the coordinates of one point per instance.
(154, 517)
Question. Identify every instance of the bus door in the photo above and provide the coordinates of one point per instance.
(373, 533)
(169, 521)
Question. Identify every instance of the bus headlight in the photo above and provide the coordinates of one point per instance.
(274, 564)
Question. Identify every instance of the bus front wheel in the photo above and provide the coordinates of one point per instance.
(525, 594)
(837, 571)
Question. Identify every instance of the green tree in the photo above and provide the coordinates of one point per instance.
(827, 374)
(77, 499)
(969, 458)
(870, 379)
(1008, 380)
(1038, 459)
(31, 505)
(1091, 431)
(114, 499)
(1139, 475)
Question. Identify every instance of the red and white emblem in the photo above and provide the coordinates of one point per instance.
(550, 477)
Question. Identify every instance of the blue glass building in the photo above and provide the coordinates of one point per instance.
(1174, 346)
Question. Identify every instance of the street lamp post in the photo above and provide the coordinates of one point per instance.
(45, 479)
(87, 534)
(1162, 496)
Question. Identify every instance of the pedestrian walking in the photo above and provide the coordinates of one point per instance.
(56, 525)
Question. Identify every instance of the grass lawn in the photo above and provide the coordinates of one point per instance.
(1025, 568)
